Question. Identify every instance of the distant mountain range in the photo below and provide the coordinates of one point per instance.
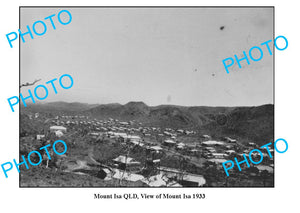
(250, 123)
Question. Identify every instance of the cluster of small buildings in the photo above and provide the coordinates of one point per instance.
(220, 151)
(159, 140)
(164, 176)
(114, 125)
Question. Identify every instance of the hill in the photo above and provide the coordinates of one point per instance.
(250, 123)
(59, 107)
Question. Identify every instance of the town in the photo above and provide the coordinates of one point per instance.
(117, 153)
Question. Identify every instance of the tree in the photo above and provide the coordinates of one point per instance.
(29, 84)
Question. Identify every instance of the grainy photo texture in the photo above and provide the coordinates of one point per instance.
(140, 96)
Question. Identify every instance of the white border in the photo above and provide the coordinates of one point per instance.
(282, 198)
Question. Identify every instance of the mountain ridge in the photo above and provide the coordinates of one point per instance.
(254, 122)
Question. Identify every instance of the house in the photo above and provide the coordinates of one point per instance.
(213, 143)
(180, 146)
(267, 168)
(124, 162)
(39, 137)
(156, 180)
(134, 138)
(156, 148)
(124, 123)
(219, 155)
(181, 131)
(117, 135)
(218, 161)
(59, 133)
(184, 179)
(58, 128)
(210, 149)
(229, 152)
(94, 134)
(194, 151)
(229, 147)
(207, 137)
(123, 175)
(123, 159)
(137, 143)
(189, 132)
(192, 180)
(169, 142)
(168, 133)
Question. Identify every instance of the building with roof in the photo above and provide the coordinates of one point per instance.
(168, 133)
(39, 137)
(134, 138)
(266, 168)
(207, 137)
(210, 149)
(169, 142)
(229, 152)
(124, 159)
(219, 155)
(156, 148)
(213, 143)
(58, 128)
(192, 180)
(124, 162)
(217, 161)
(137, 143)
(180, 146)
(156, 180)
(123, 175)
(59, 133)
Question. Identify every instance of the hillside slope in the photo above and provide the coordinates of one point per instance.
(251, 123)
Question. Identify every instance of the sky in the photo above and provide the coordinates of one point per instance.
(155, 55)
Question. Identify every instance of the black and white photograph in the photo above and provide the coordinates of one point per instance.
(141, 97)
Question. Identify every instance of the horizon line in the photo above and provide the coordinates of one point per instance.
(73, 102)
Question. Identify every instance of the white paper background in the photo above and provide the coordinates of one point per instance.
(284, 197)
